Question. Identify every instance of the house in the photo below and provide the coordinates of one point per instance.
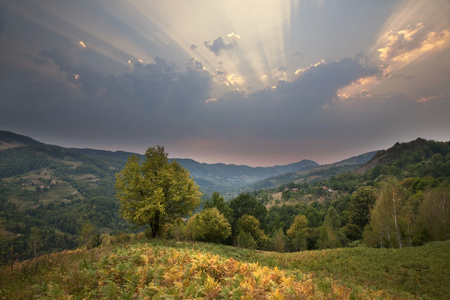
(327, 189)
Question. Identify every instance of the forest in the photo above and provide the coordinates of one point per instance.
(400, 202)
(398, 199)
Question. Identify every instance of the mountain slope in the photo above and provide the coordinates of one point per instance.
(13, 140)
(215, 177)
(223, 178)
(312, 173)
(413, 151)
(210, 177)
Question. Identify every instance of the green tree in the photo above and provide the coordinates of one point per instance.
(435, 213)
(246, 204)
(385, 220)
(89, 237)
(279, 240)
(297, 233)
(210, 226)
(245, 240)
(330, 236)
(156, 192)
(250, 224)
(218, 202)
(361, 204)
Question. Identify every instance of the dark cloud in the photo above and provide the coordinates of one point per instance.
(160, 85)
(74, 63)
(218, 46)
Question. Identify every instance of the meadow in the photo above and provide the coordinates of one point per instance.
(166, 269)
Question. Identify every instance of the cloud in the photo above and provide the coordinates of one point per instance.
(404, 46)
(400, 42)
(234, 36)
(396, 50)
(76, 68)
(429, 98)
(219, 45)
(282, 110)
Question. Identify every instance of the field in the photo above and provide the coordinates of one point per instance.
(181, 270)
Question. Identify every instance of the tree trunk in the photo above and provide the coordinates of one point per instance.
(397, 231)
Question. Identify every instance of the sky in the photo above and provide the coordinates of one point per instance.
(257, 83)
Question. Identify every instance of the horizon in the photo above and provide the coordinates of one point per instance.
(227, 82)
(274, 164)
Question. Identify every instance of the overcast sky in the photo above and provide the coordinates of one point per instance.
(249, 82)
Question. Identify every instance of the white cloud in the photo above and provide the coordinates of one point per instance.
(234, 36)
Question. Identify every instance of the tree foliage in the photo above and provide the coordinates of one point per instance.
(246, 204)
(209, 226)
(155, 192)
(330, 236)
(435, 212)
(297, 233)
(361, 204)
(251, 225)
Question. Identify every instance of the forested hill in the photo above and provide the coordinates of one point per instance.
(403, 154)
(220, 177)
(312, 173)
(55, 192)
(210, 177)
(13, 140)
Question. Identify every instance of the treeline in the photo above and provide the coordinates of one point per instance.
(403, 201)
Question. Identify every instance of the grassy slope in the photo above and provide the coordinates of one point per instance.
(196, 270)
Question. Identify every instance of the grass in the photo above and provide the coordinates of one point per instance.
(21, 195)
(180, 270)
(420, 271)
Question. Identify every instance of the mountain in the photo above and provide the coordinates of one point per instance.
(225, 178)
(210, 177)
(215, 177)
(312, 173)
(404, 153)
(13, 140)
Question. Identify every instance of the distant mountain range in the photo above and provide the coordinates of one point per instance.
(210, 177)
(312, 173)
(224, 178)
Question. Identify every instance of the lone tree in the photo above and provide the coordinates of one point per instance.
(155, 192)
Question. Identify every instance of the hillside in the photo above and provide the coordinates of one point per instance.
(165, 269)
(13, 140)
(49, 195)
(210, 177)
(312, 173)
(225, 178)
(58, 191)
(404, 153)
(216, 177)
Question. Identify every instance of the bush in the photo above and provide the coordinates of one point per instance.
(245, 240)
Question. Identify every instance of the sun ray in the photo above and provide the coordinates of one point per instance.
(413, 33)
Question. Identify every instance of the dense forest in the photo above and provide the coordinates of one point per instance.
(397, 199)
